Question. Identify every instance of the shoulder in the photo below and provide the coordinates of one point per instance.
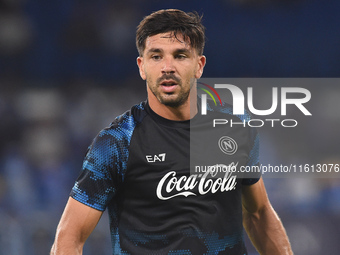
(119, 132)
(124, 124)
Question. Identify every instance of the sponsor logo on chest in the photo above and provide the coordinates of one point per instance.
(206, 179)
(171, 186)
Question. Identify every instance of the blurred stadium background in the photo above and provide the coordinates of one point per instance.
(67, 68)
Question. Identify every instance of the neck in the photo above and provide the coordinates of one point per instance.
(183, 112)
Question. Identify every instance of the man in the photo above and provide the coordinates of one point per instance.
(139, 169)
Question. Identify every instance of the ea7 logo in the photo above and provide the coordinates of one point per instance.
(155, 158)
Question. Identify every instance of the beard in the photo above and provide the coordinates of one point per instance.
(173, 99)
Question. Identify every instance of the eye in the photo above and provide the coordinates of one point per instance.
(156, 57)
(181, 56)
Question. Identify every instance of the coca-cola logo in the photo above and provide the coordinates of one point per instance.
(171, 186)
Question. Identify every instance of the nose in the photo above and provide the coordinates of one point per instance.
(168, 65)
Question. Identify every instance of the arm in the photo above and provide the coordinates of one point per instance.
(75, 226)
(261, 222)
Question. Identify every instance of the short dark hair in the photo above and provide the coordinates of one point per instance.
(172, 20)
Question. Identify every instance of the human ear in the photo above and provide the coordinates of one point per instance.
(140, 63)
(201, 64)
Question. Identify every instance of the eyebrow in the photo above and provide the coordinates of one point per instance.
(177, 51)
(154, 50)
(184, 50)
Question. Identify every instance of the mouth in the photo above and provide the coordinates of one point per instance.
(168, 83)
(169, 86)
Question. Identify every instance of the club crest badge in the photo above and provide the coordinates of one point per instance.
(227, 145)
